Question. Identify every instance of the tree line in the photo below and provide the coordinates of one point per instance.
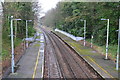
(19, 10)
(67, 17)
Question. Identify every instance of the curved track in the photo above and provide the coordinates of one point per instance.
(62, 62)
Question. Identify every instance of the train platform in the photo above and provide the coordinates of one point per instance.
(31, 64)
(106, 68)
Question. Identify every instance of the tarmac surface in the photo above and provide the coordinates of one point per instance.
(106, 68)
(31, 64)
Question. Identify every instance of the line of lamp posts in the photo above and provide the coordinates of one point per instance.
(106, 55)
(12, 40)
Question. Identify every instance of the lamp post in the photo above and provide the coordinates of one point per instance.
(27, 31)
(84, 30)
(117, 62)
(106, 56)
(91, 41)
(12, 45)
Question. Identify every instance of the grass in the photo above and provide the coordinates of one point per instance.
(5, 54)
(38, 37)
(6, 43)
(112, 51)
(6, 47)
(88, 51)
(17, 41)
(37, 45)
(81, 49)
(40, 32)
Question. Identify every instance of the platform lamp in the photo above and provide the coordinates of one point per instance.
(27, 31)
(118, 50)
(106, 56)
(84, 30)
(12, 44)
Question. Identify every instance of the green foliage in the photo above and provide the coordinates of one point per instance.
(72, 12)
(22, 10)
(17, 42)
(19, 10)
(31, 31)
(4, 54)
(112, 49)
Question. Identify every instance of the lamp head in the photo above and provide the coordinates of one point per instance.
(11, 16)
(81, 20)
(17, 19)
(103, 19)
(117, 30)
(29, 20)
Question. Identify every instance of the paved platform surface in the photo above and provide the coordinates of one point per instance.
(31, 64)
(106, 68)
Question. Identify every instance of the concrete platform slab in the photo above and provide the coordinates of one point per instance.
(104, 67)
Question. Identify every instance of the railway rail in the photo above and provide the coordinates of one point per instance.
(62, 62)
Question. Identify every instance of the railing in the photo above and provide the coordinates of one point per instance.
(70, 35)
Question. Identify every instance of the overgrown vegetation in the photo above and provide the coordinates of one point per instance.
(67, 16)
(19, 10)
(112, 49)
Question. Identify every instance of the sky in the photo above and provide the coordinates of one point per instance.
(47, 5)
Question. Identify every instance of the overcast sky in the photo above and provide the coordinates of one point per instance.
(48, 4)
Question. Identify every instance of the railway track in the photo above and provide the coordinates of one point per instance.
(51, 65)
(61, 62)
